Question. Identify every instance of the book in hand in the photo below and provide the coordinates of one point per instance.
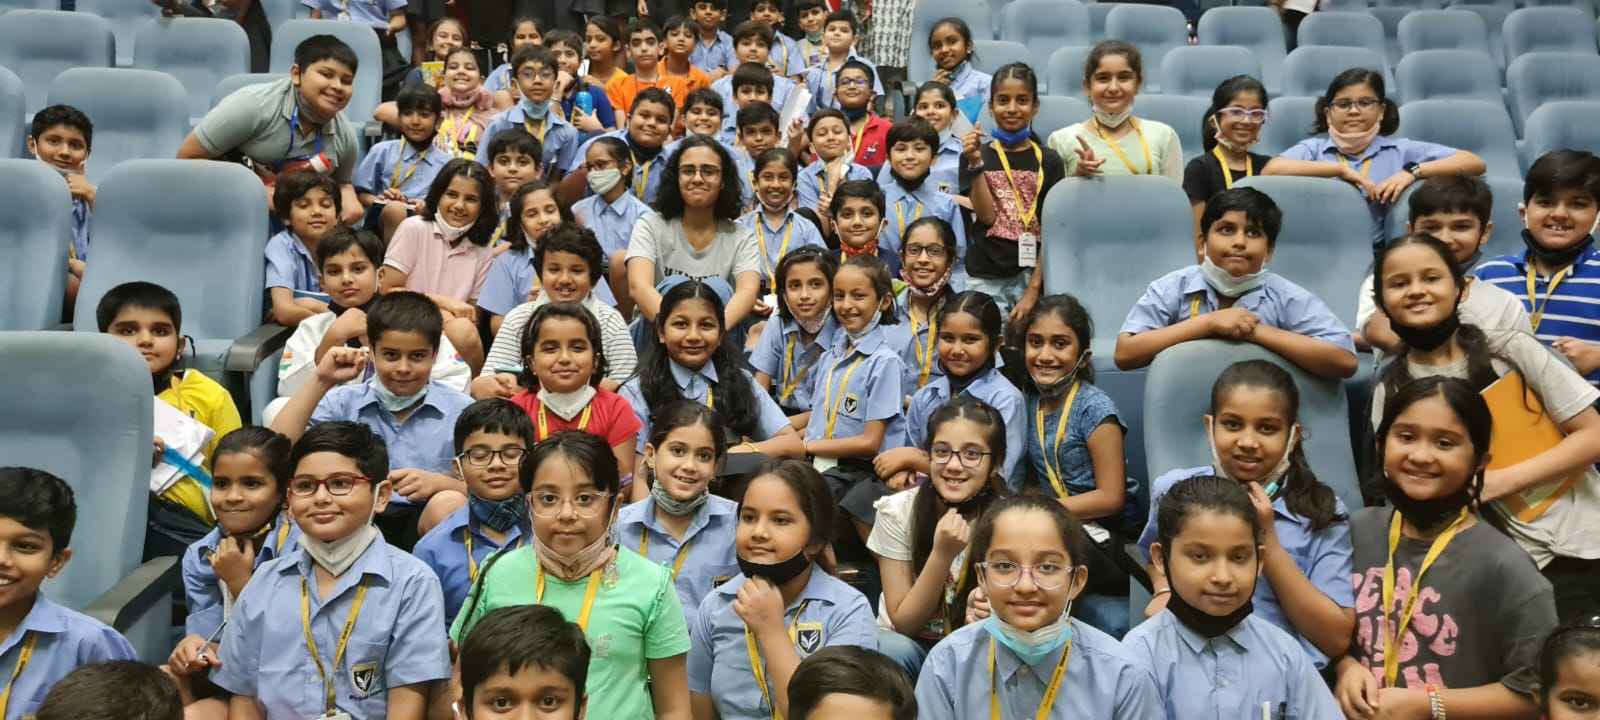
(1522, 430)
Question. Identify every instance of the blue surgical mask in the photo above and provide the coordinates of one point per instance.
(396, 403)
(1031, 647)
(1011, 139)
(534, 111)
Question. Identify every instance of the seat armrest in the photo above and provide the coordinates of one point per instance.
(123, 605)
(247, 353)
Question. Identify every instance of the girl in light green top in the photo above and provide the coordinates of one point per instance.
(625, 604)
(1114, 142)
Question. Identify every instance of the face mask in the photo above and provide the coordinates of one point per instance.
(1011, 139)
(811, 326)
(1271, 482)
(853, 114)
(1554, 258)
(534, 111)
(1200, 621)
(396, 403)
(776, 573)
(872, 324)
(336, 556)
(871, 248)
(673, 506)
(580, 563)
(1353, 144)
(602, 181)
(1429, 514)
(501, 515)
(567, 405)
(450, 232)
(910, 184)
(1226, 284)
(1060, 387)
(931, 290)
(1429, 339)
(1031, 646)
(1112, 121)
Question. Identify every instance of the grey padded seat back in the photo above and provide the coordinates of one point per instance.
(35, 232)
(1460, 74)
(136, 113)
(1155, 30)
(1044, 25)
(127, 19)
(234, 83)
(1562, 124)
(1537, 78)
(1291, 122)
(13, 114)
(1478, 126)
(1548, 29)
(1198, 70)
(1308, 70)
(1257, 29)
(1443, 30)
(1343, 29)
(1064, 71)
(1325, 244)
(1182, 112)
(995, 54)
(199, 52)
(38, 45)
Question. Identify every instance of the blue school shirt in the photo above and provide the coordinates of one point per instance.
(791, 367)
(200, 584)
(1102, 679)
(646, 175)
(716, 56)
(1387, 155)
(862, 380)
(1277, 302)
(367, 12)
(916, 348)
(444, 551)
(397, 161)
(785, 58)
(821, 81)
(945, 173)
(989, 386)
(793, 233)
(1323, 556)
(510, 278)
(399, 638)
(560, 138)
(970, 82)
(901, 208)
(809, 186)
(1230, 676)
(67, 640)
(80, 229)
(500, 79)
(826, 613)
(290, 264)
(709, 558)
(1090, 409)
(1573, 311)
(692, 386)
(781, 87)
(425, 441)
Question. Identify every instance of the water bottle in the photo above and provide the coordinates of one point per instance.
(585, 102)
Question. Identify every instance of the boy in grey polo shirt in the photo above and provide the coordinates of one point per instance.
(290, 124)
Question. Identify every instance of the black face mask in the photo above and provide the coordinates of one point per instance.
(776, 573)
(1429, 339)
(1555, 258)
(1200, 621)
(910, 184)
(1430, 514)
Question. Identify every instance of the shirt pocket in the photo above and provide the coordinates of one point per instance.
(363, 674)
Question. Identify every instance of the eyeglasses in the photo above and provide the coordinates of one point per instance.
(585, 504)
(934, 252)
(709, 172)
(970, 457)
(1255, 115)
(338, 484)
(853, 83)
(532, 74)
(482, 456)
(1346, 105)
(1046, 576)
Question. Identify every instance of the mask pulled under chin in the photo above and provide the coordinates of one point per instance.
(1272, 481)
(499, 515)
(673, 506)
(872, 324)
(336, 556)
(1202, 622)
(1227, 284)
(450, 232)
(776, 573)
(1008, 138)
(567, 405)
(811, 326)
(396, 403)
(1353, 144)
(931, 290)
(1429, 339)
(534, 110)
(1430, 514)
(1060, 387)
(1111, 121)
(1556, 258)
(1031, 646)
(579, 563)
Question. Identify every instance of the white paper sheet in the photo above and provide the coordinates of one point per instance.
(181, 433)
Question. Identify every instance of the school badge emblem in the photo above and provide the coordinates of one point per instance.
(850, 404)
(364, 678)
(808, 637)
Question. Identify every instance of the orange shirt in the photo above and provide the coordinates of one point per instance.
(697, 78)
(625, 88)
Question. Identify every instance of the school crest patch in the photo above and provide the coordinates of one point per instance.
(851, 404)
(364, 678)
(808, 637)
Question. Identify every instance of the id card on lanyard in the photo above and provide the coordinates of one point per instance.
(316, 160)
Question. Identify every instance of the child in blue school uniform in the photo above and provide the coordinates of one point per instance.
(1256, 440)
(834, 165)
(779, 227)
(912, 144)
(792, 343)
(856, 396)
(249, 472)
(757, 124)
(359, 612)
(649, 128)
(753, 42)
(713, 47)
(395, 175)
(847, 681)
(968, 345)
(491, 436)
(783, 57)
(950, 45)
(681, 526)
(309, 204)
(43, 641)
(1028, 657)
(751, 84)
(535, 75)
(524, 661)
(686, 358)
(512, 276)
(1231, 295)
(935, 103)
(840, 29)
(751, 632)
(1210, 654)
(610, 211)
(926, 264)
(513, 162)
(526, 31)
(62, 137)
(414, 415)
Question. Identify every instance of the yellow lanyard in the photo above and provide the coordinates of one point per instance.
(1366, 165)
(283, 537)
(644, 172)
(544, 127)
(1392, 641)
(397, 179)
(31, 640)
(1116, 147)
(456, 127)
(472, 562)
(855, 146)
(711, 398)
(755, 658)
(344, 636)
(1536, 308)
(1227, 173)
(792, 380)
(900, 214)
(761, 232)
(1194, 304)
(677, 562)
(830, 402)
(924, 353)
(1050, 691)
(588, 594)
(1052, 454)
(544, 422)
(1026, 217)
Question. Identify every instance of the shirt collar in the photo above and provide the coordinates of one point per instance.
(868, 344)
(1194, 281)
(685, 377)
(1007, 664)
(369, 397)
(1378, 144)
(703, 517)
(517, 117)
(1235, 635)
(619, 208)
(44, 617)
(373, 561)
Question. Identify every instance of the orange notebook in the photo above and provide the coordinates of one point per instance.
(1522, 430)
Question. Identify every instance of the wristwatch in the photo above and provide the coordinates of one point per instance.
(1414, 168)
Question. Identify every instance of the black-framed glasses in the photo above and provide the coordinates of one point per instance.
(338, 484)
(970, 457)
(482, 456)
(934, 252)
(1345, 105)
(1046, 576)
(709, 172)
